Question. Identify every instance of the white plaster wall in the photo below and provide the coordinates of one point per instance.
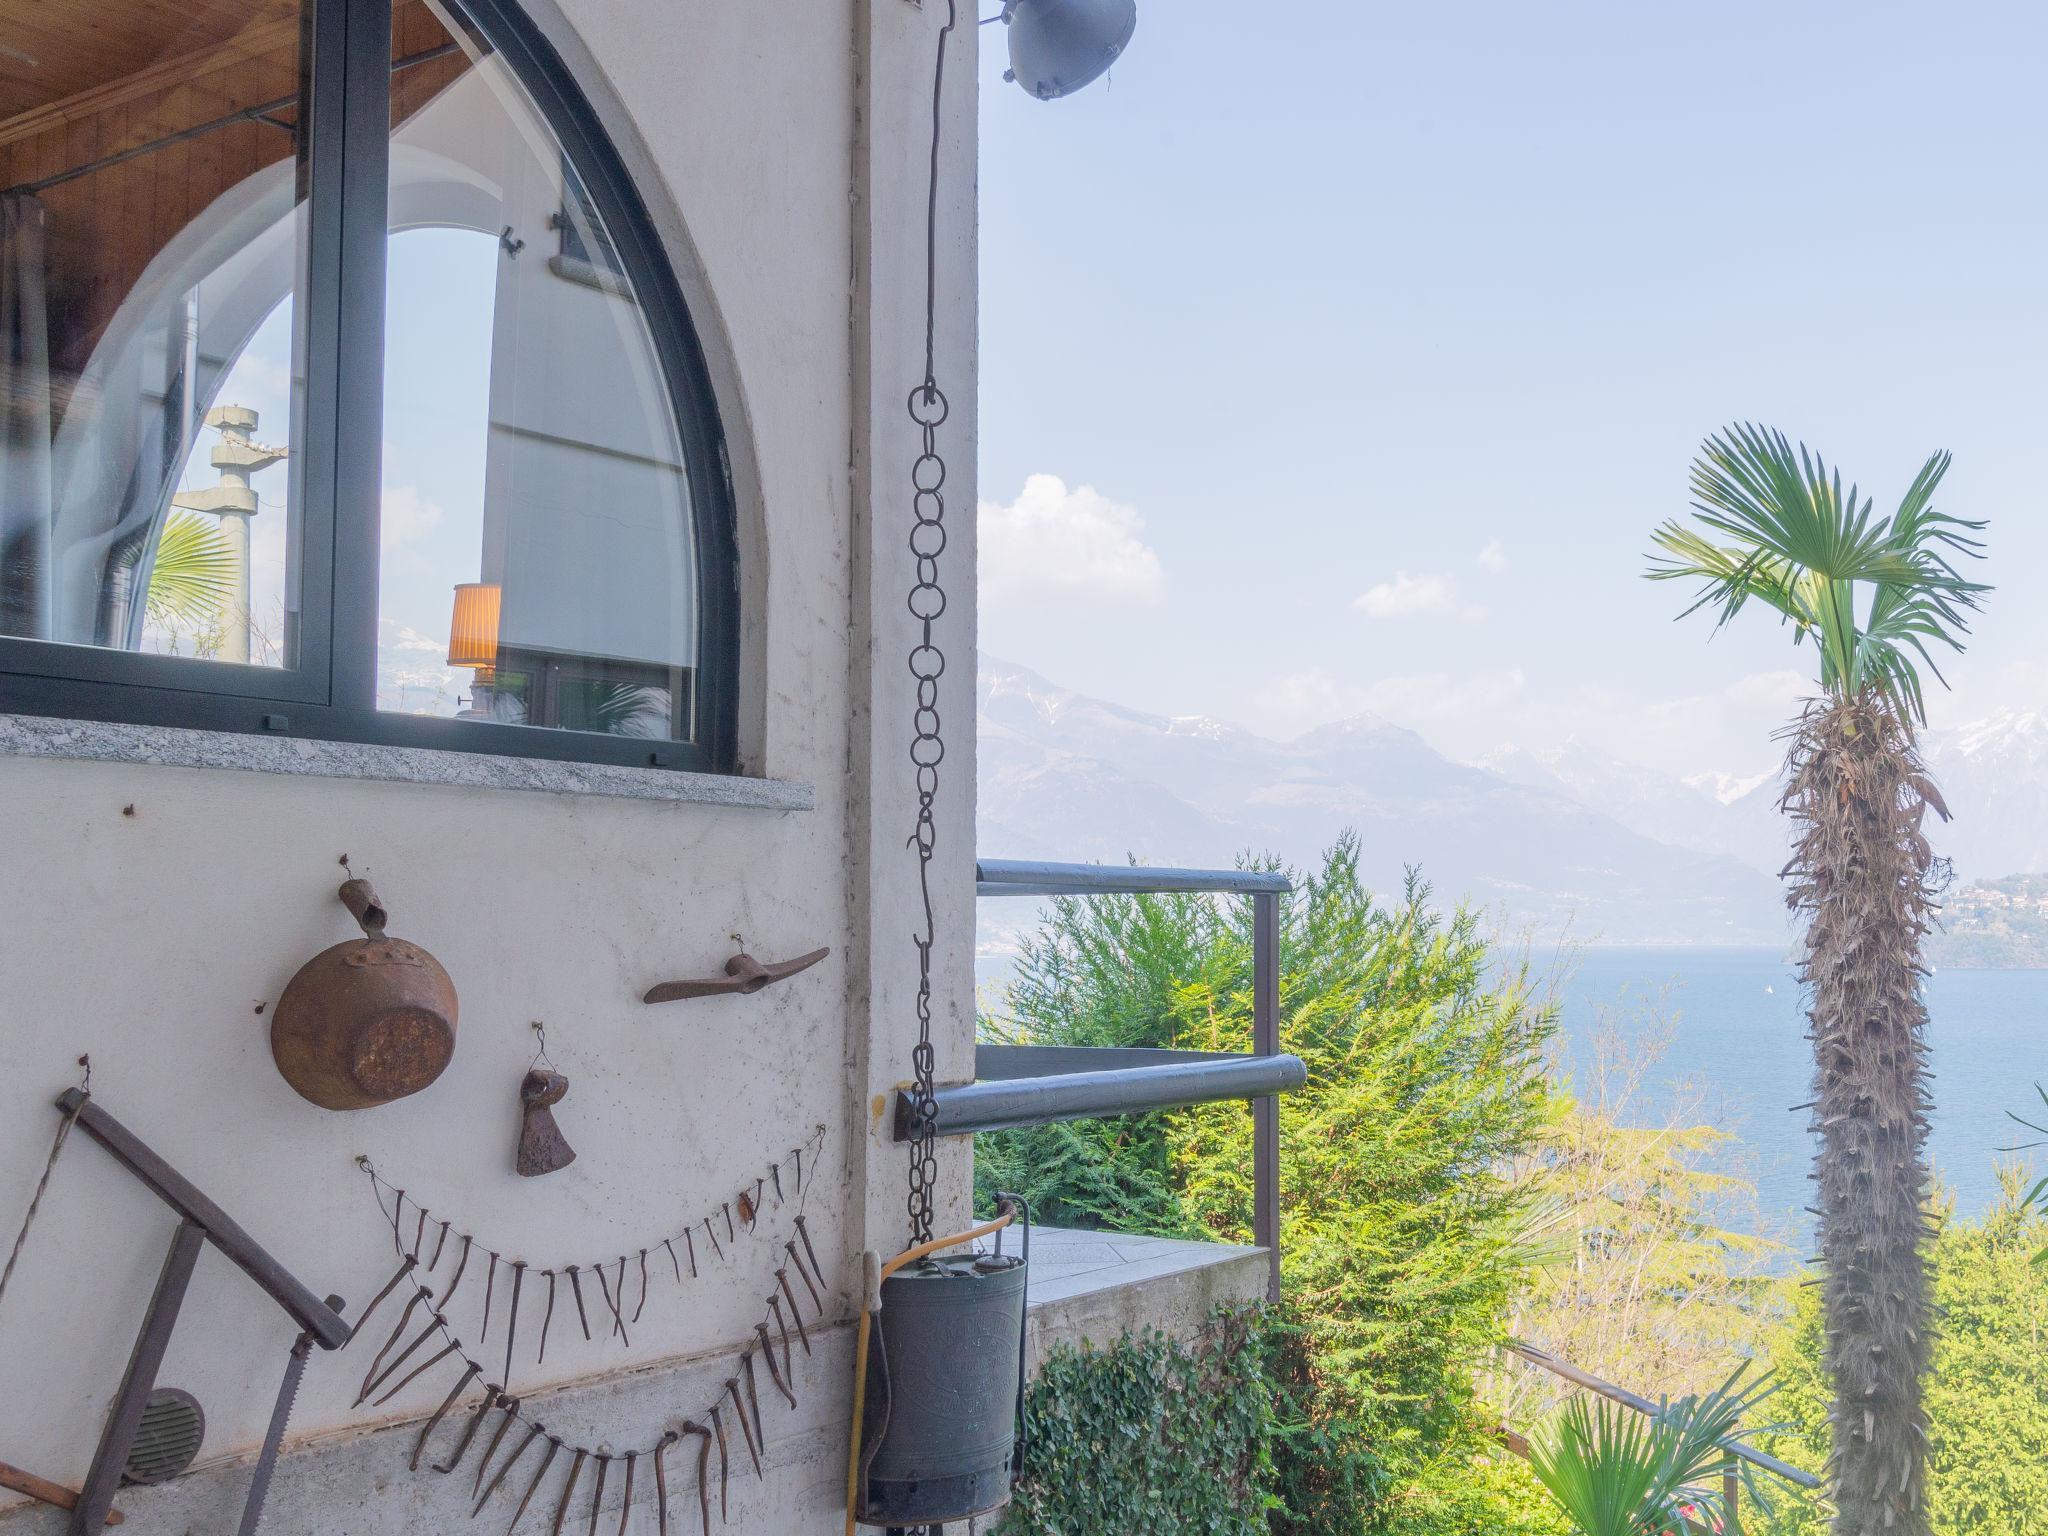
(781, 146)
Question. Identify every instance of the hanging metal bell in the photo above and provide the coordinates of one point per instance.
(367, 1021)
(1058, 46)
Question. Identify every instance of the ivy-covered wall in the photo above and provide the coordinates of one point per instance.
(1151, 1437)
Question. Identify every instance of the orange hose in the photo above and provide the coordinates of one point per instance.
(860, 1348)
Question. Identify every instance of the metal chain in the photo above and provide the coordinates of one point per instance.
(49, 1167)
(928, 409)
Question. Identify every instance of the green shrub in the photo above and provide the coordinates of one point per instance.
(1151, 1438)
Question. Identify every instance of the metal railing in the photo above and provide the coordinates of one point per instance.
(1731, 1482)
(1039, 1084)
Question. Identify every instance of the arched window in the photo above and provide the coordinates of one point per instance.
(346, 391)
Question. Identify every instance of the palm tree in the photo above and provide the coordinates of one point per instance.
(1617, 1473)
(1875, 595)
(193, 574)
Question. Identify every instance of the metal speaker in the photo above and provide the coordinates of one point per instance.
(1058, 46)
(167, 1442)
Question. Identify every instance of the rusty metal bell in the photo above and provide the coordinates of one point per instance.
(542, 1146)
(366, 1022)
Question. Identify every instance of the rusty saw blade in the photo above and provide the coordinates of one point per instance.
(273, 1438)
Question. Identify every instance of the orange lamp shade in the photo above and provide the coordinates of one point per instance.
(473, 630)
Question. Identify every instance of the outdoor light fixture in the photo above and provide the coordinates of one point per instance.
(1058, 46)
(473, 628)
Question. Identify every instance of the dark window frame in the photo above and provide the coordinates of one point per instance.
(332, 694)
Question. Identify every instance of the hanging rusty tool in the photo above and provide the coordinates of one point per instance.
(476, 1422)
(405, 1267)
(718, 1428)
(643, 1286)
(703, 1471)
(604, 1463)
(542, 1148)
(743, 974)
(669, 1438)
(810, 1253)
(603, 1285)
(273, 1437)
(795, 1316)
(626, 1502)
(774, 1370)
(732, 1389)
(453, 1346)
(200, 1222)
(576, 1286)
(510, 1407)
(512, 1321)
(753, 1394)
(796, 1260)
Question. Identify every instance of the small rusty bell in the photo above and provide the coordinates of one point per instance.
(542, 1147)
(367, 1021)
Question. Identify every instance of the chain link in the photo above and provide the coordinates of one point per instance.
(929, 409)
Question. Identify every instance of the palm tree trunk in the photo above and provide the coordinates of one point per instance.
(1867, 882)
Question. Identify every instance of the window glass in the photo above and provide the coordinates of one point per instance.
(150, 244)
(537, 561)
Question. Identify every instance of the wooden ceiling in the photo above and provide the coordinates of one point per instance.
(54, 50)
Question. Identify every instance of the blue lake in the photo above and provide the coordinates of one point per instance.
(1737, 1028)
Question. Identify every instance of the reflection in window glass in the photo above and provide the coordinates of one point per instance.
(149, 247)
(537, 560)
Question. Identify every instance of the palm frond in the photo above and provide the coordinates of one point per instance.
(193, 574)
(1877, 594)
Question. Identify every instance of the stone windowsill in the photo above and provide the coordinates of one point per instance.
(100, 741)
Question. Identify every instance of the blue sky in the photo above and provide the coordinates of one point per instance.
(1368, 343)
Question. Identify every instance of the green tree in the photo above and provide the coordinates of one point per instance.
(192, 575)
(1402, 1230)
(1987, 1395)
(1774, 526)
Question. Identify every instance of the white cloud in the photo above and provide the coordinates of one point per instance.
(408, 516)
(1409, 596)
(1774, 693)
(1493, 557)
(1055, 540)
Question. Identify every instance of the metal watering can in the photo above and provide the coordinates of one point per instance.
(942, 1410)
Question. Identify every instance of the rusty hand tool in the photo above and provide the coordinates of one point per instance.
(419, 1446)
(795, 1315)
(743, 974)
(273, 1437)
(546, 1461)
(510, 1407)
(533, 1433)
(604, 1463)
(626, 1503)
(569, 1488)
(476, 1422)
(542, 1149)
(43, 1491)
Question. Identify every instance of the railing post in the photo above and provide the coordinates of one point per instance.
(1731, 1490)
(1266, 1110)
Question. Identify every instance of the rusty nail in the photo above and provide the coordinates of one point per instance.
(512, 1318)
(774, 1370)
(510, 1406)
(546, 1461)
(643, 1286)
(397, 1210)
(416, 1371)
(782, 1328)
(546, 1318)
(604, 1463)
(732, 1387)
(730, 1231)
(439, 1243)
(434, 1326)
(775, 1173)
(533, 1432)
(670, 1244)
(796, 1258)
(618, 1322)
(576, 1286)
(404, 1320)
(753, 1393)
(715, 1246)
(568, 1488)
(405, 1268)
(476, 1422)
(661, 1481)
(690, 1243)
(795, 1313)
(626, 1503)
(703, 1475)
(718, 1425)
(419, 1234)
(461, 1263)
(419, 1446)
(490, 1283)
(810, 1253)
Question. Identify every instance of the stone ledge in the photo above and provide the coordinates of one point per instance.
(173, 746)
(1096, 1287)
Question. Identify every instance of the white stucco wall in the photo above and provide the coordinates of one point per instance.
(781, 146)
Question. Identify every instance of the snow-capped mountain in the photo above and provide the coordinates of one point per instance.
(1071, 777)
